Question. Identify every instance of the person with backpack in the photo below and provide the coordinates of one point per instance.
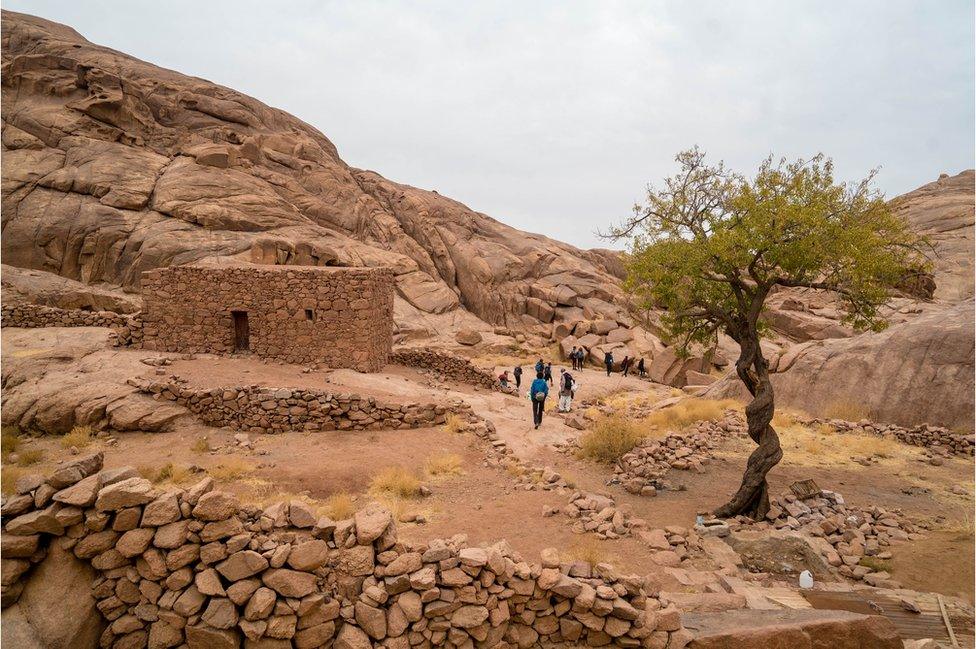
(548, 373)
(608, 361)
(572, 357)
(640, 367)
(517, 373)
(538, 392)
(540, 366)
(625, 365)
(580, 359)
(566, 388)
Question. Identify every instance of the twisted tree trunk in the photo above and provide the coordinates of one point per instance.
(752, 498)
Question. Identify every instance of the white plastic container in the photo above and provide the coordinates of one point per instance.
(806, 579)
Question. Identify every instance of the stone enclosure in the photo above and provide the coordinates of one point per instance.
(341, 317)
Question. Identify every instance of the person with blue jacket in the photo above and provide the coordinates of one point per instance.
(538, 392)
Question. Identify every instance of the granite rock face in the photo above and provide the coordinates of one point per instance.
(113, 166)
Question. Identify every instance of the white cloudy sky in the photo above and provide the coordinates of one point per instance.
(552, 116)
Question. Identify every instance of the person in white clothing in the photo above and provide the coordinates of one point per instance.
(567, 387)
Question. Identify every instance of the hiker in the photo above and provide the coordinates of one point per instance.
(572, 356)
(566, 389)
(540, 366)
(640, 367)
(503, 379)
(538, 392)
(517, 372)
(580, 358)
(625, 365)
(608, 361)
(548, 373)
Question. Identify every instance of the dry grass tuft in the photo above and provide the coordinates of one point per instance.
(8, 478)
(454, 424)
(395, 481)
(201, 445)
(231, 468)
(822, 445)
(340, 505)
(589, 550)
(963, 529)
(846, 410)
(875, 564)
(609, 439)
(169, 472)
(690, 411)
(444, 464)
(80, 437)
(30, 456)
(9, 440)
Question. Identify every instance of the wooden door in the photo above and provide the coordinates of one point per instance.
(242, 335)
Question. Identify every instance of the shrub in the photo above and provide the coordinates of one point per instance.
(589, 550)
(30, 456)
(609, 439)
(201, 445)
(443, 464)
(80, 437)
(396, 481)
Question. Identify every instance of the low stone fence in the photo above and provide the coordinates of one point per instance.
(451, 366)
(195, 568)
(39, 315)
(925, 435)
(262, 409)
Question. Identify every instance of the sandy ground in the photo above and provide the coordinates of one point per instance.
(483, 502)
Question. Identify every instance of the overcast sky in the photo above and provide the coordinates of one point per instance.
(553, 116)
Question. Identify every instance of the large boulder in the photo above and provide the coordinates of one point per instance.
(56, 607)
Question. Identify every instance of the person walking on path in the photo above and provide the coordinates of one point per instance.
(640, 367)
(538, 392)
(608, 361)
(540, 366)
(572, 357)
(566, 387)
(625, 365)
(580, 359)
(548, 373)
(517, 372)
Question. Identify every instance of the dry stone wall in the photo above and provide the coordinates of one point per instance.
(196, 568)
(342, 317)
(38, 315)
(924, 435)
(450, 366)
(262, 409)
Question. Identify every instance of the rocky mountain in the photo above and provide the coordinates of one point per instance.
(113, 166)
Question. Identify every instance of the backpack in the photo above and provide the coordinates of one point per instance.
(540, 396)
(568, 381)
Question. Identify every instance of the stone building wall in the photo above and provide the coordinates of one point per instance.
(196, 568)
(341, 317)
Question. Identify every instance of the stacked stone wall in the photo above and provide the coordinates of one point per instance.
(924, 435)
(38, 315)
(341, 317)
(196, 568)
(450, 366)
(262, 409)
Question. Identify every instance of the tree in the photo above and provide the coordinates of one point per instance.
(711, 245)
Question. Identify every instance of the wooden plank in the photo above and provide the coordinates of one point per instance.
(948, 624)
